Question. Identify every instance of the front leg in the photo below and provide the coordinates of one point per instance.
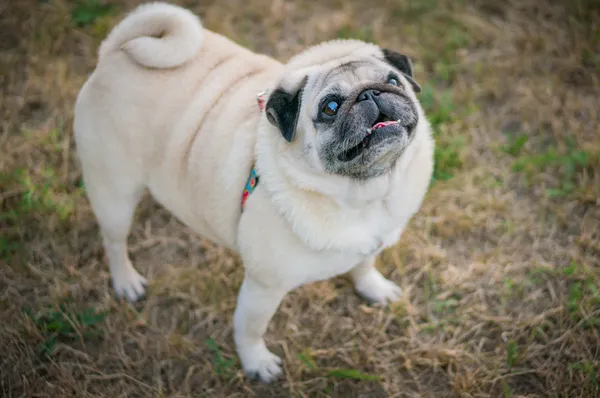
(255, 307)
(373, 286)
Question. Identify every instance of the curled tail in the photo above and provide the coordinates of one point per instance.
(156, 35)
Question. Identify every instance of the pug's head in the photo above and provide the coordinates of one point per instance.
(348, 107)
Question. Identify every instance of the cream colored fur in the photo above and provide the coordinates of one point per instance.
(156, 35)
(171, 108)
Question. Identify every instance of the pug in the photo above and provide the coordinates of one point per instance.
(308, 180)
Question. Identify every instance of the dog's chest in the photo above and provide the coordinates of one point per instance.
(361, 235)
(377, 233)
(382, 224)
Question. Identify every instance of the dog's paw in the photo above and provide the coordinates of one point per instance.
(261, 364)
(375, 288)
(130, 285)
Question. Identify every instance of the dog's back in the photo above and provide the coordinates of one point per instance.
(171, 107)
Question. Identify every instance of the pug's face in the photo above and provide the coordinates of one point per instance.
(356, 116)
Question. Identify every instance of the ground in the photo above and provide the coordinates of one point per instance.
(500, 268)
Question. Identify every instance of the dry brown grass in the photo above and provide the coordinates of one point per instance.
(501, 268)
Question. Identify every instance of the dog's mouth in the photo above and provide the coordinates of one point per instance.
(375, 134)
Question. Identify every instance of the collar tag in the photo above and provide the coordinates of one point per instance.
(261, 100)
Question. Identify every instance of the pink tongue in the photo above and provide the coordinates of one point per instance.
(383, 124)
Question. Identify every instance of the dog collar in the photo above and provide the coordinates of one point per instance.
(251, 183)
(253, 178)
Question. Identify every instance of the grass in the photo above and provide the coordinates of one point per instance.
(348, 32)
(86, 12)
(442, 112)
(222, 366)
(55, 325)
(351, 374)
(515, 145)
(500, 267)
(512, 354)
(568, 163)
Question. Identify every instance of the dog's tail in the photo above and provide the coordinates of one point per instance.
(156, 35)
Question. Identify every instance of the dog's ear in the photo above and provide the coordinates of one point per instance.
(403, 64)
(283, 109)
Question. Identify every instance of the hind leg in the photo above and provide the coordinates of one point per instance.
(114, 198)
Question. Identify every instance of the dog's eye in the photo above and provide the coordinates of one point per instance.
(393, 81)
(331, 108)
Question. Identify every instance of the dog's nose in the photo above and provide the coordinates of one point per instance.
(368, 95)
